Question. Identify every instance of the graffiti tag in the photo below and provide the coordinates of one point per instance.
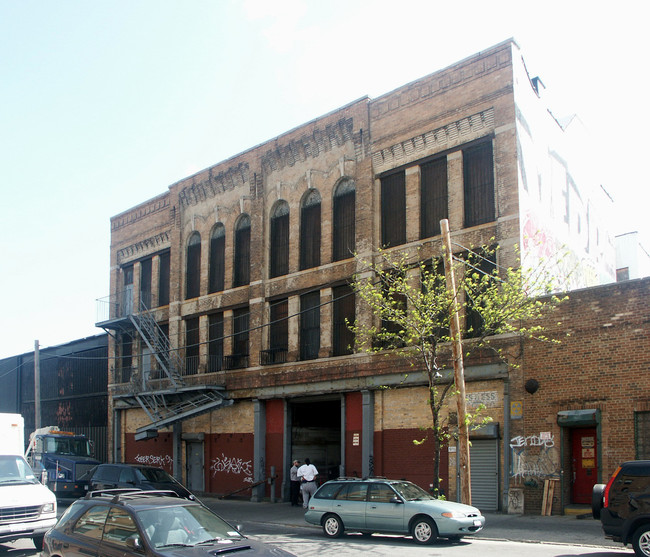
(154, 460)
(232, 465)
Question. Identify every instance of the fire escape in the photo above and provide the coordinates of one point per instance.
(164, 393)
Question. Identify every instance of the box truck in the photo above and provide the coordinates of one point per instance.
(27, 508)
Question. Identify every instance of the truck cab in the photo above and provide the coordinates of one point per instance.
(61, 458)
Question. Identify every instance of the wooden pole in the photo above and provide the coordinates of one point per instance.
(459, 373)
(37, 386)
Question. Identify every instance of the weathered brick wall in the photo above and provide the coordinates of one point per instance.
(602, 363)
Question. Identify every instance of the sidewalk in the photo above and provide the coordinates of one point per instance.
(533, 528)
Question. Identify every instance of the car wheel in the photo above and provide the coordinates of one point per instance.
(597, 500)
(424, 530)
(332, 526)
(38, 542)
(641, 540)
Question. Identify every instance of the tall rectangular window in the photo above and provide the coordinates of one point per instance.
(123, 374)
(241, 271)
(433, 196)
(343, 225)
(478, 181)
(343, 313)
(240, 330)
(163, 279)
(393, 209)
(216, 271)
(145, 283)
(278, 333)
(192, 340)
(485, 265)
(215, 342)
(309, 325)
(642, 435)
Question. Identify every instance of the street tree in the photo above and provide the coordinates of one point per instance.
(412, 305)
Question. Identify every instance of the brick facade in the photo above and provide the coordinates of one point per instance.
(441, 116)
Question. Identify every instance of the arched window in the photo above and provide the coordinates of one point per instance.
(279, 255)
(217, 258)
(241, 272)
(343, 242)
(310, 230)
(193, 269)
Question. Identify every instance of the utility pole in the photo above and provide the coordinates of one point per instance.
(37, 386)
(459, 373)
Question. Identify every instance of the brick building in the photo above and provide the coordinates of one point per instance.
(588, 394)
(229, 291)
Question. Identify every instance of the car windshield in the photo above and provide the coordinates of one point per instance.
(153, 475)
(14, 469)
(184, 525)
(66, 446)
(411, 492)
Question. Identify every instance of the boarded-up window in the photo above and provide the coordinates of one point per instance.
(215, 342)
(192, 345)
(240, 329)
(390, 323)
(343, 229)
(216, 272)
(310, 230)
(163, 279)
(241, 275)
(309, 325)
(485, 266)
(278, 334)
(478, 179)
(343, 313)
(193, 269)
(279, 256)
(433, 196)
(642, 435)
(393, 210)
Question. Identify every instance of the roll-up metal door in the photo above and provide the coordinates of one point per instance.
(484, 468)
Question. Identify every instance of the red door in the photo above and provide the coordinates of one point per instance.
(584, 463)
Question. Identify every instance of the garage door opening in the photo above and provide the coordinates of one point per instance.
(316, 434)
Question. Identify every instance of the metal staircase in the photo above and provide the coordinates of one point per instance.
(169, 399)
(158, 342)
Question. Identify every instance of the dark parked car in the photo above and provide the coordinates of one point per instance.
(151, 524)
(112, 476)
(391, 507)
(623, 505)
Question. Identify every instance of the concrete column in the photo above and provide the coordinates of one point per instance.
(367, 433)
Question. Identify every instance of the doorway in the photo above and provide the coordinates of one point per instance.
(316, 434)
(195, 467)
(584, 464)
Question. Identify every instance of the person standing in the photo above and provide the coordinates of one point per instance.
(295, 483)
(307, 474)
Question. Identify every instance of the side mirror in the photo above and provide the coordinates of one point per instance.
(134, 542)
(397, 500)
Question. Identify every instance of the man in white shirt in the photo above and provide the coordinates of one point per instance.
(307, 475)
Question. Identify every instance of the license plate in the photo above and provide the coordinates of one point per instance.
(477, 523)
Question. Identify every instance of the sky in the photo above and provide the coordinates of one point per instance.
(105, 104)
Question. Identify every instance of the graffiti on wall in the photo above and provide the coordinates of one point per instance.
(154, 460)
(534, 456)
(232, 465)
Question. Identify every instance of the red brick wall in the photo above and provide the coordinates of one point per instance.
(229, 462)
(274, 442)
(153, 452)
(603, 364)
